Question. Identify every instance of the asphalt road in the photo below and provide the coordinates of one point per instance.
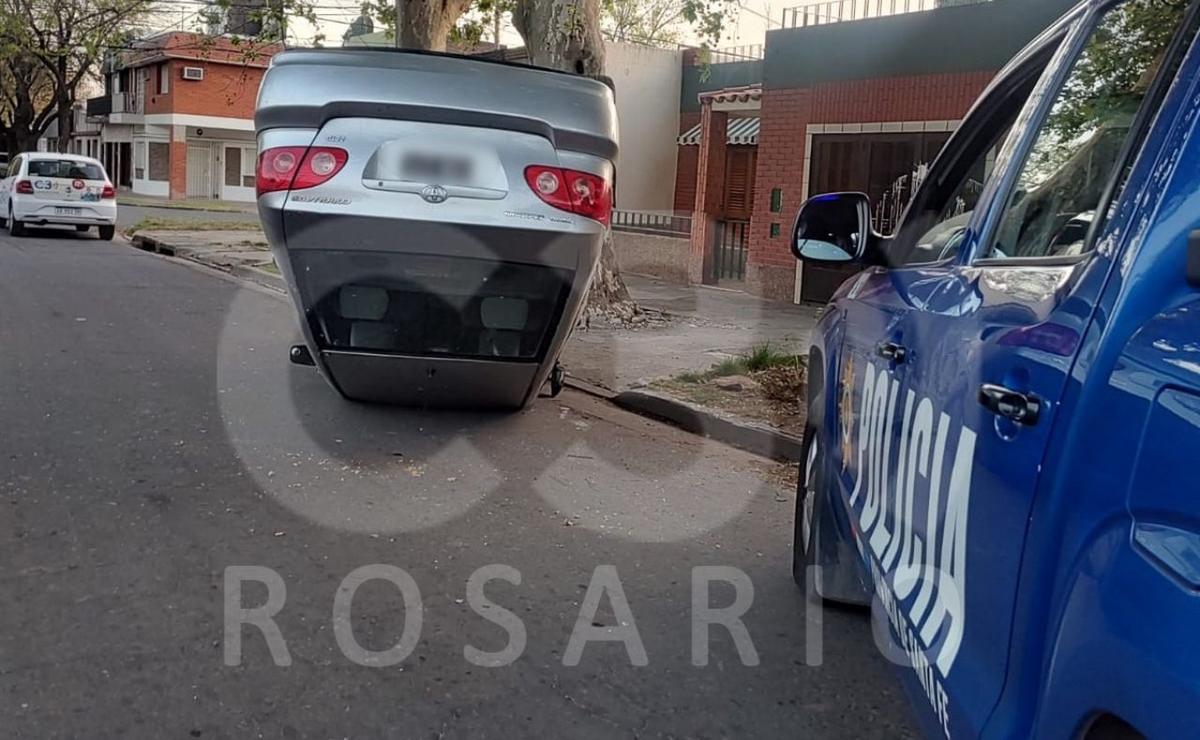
(154, 436)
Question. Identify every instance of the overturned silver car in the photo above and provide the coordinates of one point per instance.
(437, 218)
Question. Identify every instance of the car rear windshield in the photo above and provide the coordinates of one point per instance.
(430, 305)
(65, 168)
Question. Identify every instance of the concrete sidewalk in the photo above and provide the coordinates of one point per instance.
(704, 326)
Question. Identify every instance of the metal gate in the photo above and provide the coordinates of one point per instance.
(729, 257)
(199, 171)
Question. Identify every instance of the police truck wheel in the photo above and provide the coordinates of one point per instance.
(107, 232)
(807, 486)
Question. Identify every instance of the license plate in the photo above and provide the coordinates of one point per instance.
(65, 211)
(436, 167)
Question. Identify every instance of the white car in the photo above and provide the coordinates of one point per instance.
(46, 188)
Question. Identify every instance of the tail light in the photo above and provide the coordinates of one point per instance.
(108, 192)
(571, 190)
(25, 186)
(297, 167)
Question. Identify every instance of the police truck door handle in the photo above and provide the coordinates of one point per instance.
(892, 352)
(1020, 407)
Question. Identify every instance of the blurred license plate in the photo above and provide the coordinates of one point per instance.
(64, 211)
(441, 169)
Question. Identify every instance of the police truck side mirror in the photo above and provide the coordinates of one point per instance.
(832, 228)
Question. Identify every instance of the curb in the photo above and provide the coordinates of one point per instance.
(585, 387)
(151, 245)
(188, 208)
(243, 272)
(255, 275)
(743, 434)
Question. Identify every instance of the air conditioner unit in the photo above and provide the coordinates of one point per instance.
(193, 73)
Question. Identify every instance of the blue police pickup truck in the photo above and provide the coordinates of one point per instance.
(1003, 445)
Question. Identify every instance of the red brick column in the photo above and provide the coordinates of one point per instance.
(177, 174)
(770, 266)
(710, 183)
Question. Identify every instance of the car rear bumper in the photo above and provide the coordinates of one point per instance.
(420, 312)
(92, 214)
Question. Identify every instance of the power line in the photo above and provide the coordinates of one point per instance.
(752, 11)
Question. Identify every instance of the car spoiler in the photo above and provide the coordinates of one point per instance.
(304, 88)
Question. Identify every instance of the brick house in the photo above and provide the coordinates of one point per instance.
(848, 99)
(177, 116)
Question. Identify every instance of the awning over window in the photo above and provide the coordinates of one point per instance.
(737, 131)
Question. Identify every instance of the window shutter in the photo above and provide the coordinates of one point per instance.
(739, 183)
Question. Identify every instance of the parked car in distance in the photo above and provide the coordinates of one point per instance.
(46, 188)
(1004, 404)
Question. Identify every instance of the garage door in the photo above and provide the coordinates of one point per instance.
(880, 165)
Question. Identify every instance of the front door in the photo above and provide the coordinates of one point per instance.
(124, 160)
(999, 289)
(199, 171)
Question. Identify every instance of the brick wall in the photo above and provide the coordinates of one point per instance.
(922, 98)
(156, 102)
(178, 166)
(227, 90)
(786, 114)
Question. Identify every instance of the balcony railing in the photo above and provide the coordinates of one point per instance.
(651, 222)
(724, 55)
(125, 102)
(840, 11)
(83, 124)
(101, 106)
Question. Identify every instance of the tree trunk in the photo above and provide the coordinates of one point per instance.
(565, 35)
(66, 116)
(21, 135)
(23, 141)
(425, 24)
(25, 124)
(66, 122)
(562, 34)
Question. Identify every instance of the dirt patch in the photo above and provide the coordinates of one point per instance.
(783, 477)
(773, 395)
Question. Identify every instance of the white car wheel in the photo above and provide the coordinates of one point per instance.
(15, 227)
